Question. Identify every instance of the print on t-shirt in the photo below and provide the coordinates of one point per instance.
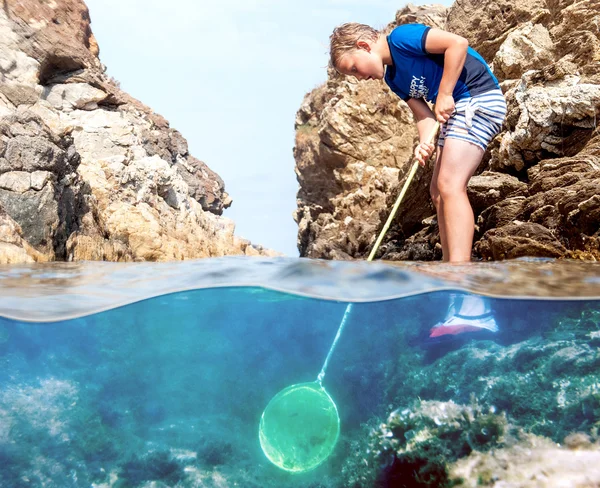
(418, 88)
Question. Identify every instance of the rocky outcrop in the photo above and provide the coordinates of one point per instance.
(86, 171)
(535, 193)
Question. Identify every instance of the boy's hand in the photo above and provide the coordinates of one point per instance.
(444, 108)
(423, 152)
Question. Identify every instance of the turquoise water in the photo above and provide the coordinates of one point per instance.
(169, 390)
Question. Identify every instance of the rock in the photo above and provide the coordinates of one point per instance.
(420, 442)
(552, 122)
(204, 185)
(20, 94)
(527, 48)
(86, 171)
(97, 248)
(422, 246)
(433, 15)
(39, 186)
(73, 96)
(501, 213)
(489, 188)
(561, 197)
(39, 179)
(56, 34)
(514, 398)
(533, 463)
(169, 144)
(488, 24)
(13, 248)
(517, 240)
(16, 181)
(575, 33)
(29, 145)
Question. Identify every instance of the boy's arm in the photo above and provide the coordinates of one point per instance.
(425, 122)
(454, 48)
(423, 115)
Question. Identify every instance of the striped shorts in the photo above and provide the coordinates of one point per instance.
(476, 119)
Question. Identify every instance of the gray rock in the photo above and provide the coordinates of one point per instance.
(205, 186)
(39, 179)
(37, 214)
(15, 181)
(25, 153)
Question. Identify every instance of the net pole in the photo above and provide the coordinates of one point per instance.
(395, 208)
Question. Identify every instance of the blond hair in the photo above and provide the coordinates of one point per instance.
(344, 39)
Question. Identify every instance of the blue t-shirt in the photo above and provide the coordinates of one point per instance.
(417, 74)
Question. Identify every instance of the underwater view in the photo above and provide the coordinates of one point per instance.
(347, 375)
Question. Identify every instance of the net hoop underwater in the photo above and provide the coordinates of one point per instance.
(299, 427)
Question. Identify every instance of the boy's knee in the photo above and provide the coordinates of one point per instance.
(448, 189)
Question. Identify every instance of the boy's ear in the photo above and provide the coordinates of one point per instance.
(363, 45)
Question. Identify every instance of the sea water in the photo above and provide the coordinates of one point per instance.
(157, 375)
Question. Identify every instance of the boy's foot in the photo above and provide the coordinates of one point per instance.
(458, 324)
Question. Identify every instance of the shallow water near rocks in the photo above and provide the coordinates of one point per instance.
(157, 374)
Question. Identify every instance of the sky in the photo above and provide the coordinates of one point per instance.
(230, 75)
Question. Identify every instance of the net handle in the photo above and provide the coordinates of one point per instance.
(396, 206)
(411, 174)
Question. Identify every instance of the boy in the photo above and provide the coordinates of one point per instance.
(422, 64)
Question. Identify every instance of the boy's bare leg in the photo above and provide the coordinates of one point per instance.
(437, 202)
(459, 161)
(442, 229)
(455, 164)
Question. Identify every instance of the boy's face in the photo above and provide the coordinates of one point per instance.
(364, 63)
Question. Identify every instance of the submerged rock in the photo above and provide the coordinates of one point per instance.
(534, 462)
(415, 445)
(489, 411)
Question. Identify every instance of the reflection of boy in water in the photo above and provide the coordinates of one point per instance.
(467, 313)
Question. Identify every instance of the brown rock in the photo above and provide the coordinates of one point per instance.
(489, 188)
(501, 213)
(526, 48)
(574, 29)
(488, 24)
(205, 186)
(432, 15)
(421, 246)
(57, 34)
(517, 240)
